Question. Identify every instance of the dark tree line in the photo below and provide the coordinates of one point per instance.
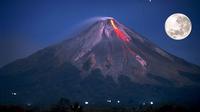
(65, 105)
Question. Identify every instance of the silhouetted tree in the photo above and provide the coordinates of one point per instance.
(12, 108)
(172, 108)
(76, 107)
(62, 106)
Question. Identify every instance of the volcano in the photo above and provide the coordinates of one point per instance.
(106, 60)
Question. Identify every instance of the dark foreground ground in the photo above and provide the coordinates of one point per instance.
(65, 105)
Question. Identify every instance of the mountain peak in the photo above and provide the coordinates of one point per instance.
(115, 50)
(105, 18)
(109, 25)
(107, 57)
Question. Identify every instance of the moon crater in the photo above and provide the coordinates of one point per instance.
(178, 26)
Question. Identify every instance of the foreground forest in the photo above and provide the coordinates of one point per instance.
(64, 105)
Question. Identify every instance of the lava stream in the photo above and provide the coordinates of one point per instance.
(119, 33)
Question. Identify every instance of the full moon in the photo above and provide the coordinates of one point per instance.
(178, 26)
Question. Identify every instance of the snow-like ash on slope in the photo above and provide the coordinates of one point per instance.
(116, 50)
(103, 59)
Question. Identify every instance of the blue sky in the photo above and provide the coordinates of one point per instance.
(29, 25)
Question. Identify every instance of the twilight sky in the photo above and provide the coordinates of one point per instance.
(29, 25)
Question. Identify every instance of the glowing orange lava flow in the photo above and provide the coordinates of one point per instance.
(132, 52)
(119, 33)
(124, 38)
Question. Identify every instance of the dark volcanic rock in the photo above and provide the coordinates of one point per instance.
(105, 61)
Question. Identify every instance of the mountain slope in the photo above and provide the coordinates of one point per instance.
(105, 60)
